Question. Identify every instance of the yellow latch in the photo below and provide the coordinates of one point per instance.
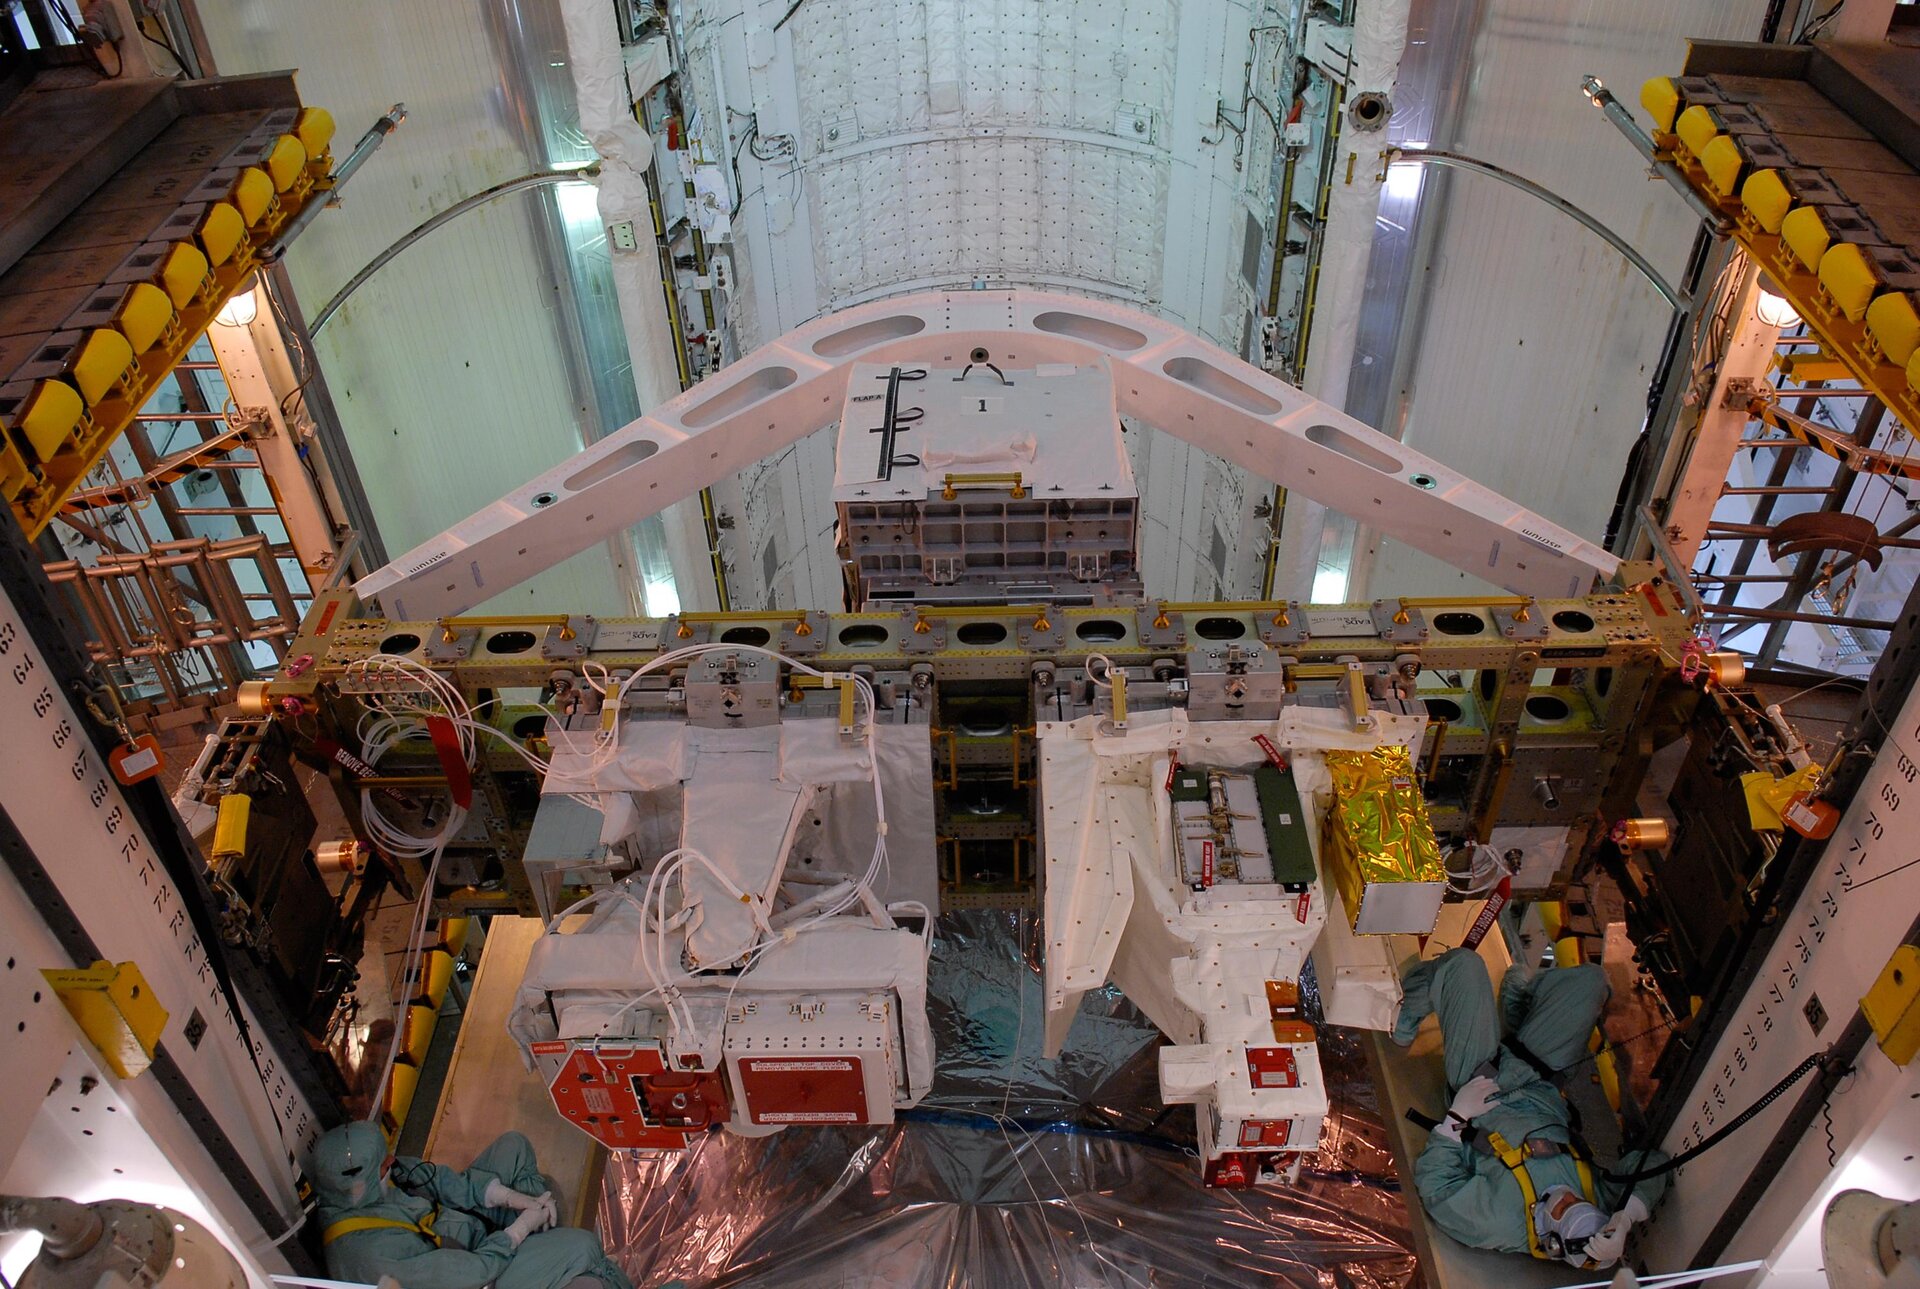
(115, 1010)
(1357, 697)
(1892, 1006)
(1119, 699)
(230, 829)
(954, 482)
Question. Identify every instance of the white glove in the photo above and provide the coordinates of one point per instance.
(1606, 1245)
(1475, 1097)
(1610, 1242)
(537, 1218)
(500, 1195)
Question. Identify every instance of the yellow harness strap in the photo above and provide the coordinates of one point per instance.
(1515, 1158)
(424, 1227)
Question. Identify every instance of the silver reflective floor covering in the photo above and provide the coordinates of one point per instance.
(1016, 1171)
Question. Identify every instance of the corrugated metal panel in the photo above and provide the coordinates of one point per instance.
(1540, 343)
(446, 367)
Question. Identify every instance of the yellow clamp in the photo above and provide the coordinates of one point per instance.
(1279, 608)
(954, 482)
(115, 1010)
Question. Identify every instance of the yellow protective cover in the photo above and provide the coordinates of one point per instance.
(253, 194)
(1696, 128)
(143, 317)
(1723, 162)
(48, 417)
(314, 129)
(182, 272)
(1850, 278)
(1895, 325)
(286, 161)
(221, 231)
(1766, 198)
(1806, 233)
(101, 360)
(1661, 97)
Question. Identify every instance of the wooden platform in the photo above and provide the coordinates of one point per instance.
(488, 1091)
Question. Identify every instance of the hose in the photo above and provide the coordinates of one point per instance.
(378, 262)
(1434, 156)
(1772, 1094)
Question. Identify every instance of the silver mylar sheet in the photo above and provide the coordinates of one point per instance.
(1016, 1171)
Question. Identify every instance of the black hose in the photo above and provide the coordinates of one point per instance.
(1772, 1094)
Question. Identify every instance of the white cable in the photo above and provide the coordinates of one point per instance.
(401, 719)
(1106, 670)
(1488, 871)
(652, 903)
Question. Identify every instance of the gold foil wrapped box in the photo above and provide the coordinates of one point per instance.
(1379, 846)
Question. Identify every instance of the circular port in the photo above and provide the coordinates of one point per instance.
(1443, 709)
(1101, 631)
(511, 641)
(1573, 620)
(400, 642)
(1220, 628)
(1547, 708)
(1369, 111)
(1459, 624)
(980, 634)
(746, 636)
(530, 727)
(864, 635)
(544, 499)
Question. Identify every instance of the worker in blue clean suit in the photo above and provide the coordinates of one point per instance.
(1502, 1170)
(429, 1227)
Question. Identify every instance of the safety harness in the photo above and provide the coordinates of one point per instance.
(424, 1227)
(1515, 1158)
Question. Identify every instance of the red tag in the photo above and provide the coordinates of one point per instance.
(326, 618)
(1810, 817)
(1489, 914)
(1228, 1172)
(1265, 1132)
(1301, 906)
(1206, 863)
(547, 1048)
(1173, 768)
(1653, 598)
(446, 741)
(353, 765)
(1273, 753)
(1272, 1067)
(137, 760)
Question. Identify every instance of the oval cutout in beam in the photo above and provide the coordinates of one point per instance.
(1095, 331)
(852, 340)
(1351, 445)
(1208, 379)
(624, 457)
(759, 384)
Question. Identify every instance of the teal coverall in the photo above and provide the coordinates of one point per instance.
(1471, 1195)
(473, 1249)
